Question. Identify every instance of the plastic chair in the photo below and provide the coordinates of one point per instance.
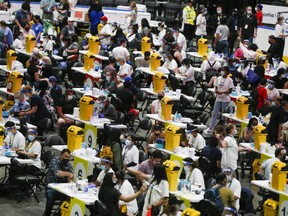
(201, 101)
(144, 125)
(186, 110)
(101, 209)
(208, 208)
(171, 12)
(174, 82)
(141, 97)
(151, 8)
(120, 117)
(42, 174)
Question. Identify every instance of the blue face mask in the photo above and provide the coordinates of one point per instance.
(108, 78)
(31, 137)
(117, 63)
(270, 87)
(102, 167)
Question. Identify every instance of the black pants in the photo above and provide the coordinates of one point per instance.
(231, 41)
(51, 197)
(189, 31)
(281, 43)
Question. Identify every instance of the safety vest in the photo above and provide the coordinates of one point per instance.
(190, 14)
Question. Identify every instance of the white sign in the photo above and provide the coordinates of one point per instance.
(271, 12)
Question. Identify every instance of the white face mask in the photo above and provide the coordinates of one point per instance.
(229, 178)
(69, 97)
(128, 142)
(186, 168)
(222, 73)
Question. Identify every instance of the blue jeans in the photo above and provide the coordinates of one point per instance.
(51, 196)
(222, 47)
(218, 107)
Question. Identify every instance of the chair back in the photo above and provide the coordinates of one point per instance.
(208, 208)
(47, 157)
(54, 140)
(17, 166)
(145, 124)
(259, 176)
(142, 156)
(204, 163)
(174, 82)
(184, 102)
(120, 117)
(101, 209)
(141, 96)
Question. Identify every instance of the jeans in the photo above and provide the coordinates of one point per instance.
(222, 47)
(51, 196)
(218, 107)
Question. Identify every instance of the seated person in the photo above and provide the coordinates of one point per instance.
(259, 69)
(170, 62)
(239, 53)
(143, 61)
(65, 105)
(195, 139)
(193, 174)
(106, 109)
(33, 71)
(111, 66)
(248, 132)
(105, 167)
(157, 133)
(124, 69)
(187, 71)
(226, 194)
(280, 79)
(277, 63)
(55, 89)
(272, 92)
(14, 139)
(239, 80)
(250, 52)
(130, 152)
(60, 171)
(109, 83)
(156, 104)
(20, 104)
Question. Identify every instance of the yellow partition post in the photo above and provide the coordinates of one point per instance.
(14, 82)
(159, 82)
(86, 108)
(172, 170)
(242, 107)
(202, 46)
(166, 108)
(30, 43)
(256, 164)
(93, 44)
(10, 56)
(190, 212)
(270, 207)
(89, 61)
(90, 136)
(65, 208)
(259, 137)
(172, 137)
(77, 207)
(145, 45)
(279, 174)
(155, 61)
(2, 132)
(74, 137)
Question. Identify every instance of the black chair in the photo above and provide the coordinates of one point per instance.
(120, 117)
(54, 140)
(144, 125)
(191, 91)
(28, 182)
(78, 78)
(121, 2)
(151, 8)
(208, 208)
(141, 97)
(171, 12)
(101, 209)
(246, 201)
(186, 110)
(44, 126)
(201, 101)
(160, 18)
(174, 82)
(42, 174)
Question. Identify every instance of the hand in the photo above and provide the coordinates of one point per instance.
(214, 45)
(69, 121)
(101, 115)
(143, 188)
(239, 38)
(217, 136)
(125, 166)
(22, 113)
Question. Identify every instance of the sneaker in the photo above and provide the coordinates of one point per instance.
(208, 131)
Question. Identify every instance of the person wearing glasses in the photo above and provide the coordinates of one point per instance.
(14, 139)
(20, 104)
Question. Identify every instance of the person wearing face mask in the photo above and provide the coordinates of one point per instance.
(48, 6)
(20, 104)
(234, 185)
(248, 25)
(214, 21)
(68, 29)
(23, 15)
(121, 51)
(156, 104)
(173, 207)
(281, 81)
(32, 150)
(125, 69)
(187, 71)
(232, 23)
(223, 87)
(37, 27)
(157, 133)
(195, 139)
(193, 174)
(130, 153)
(201, 25)
(272, 92)
(250, 52)
(14, 139)
(60, 171)
(259, 69)
(248, 132)
(111, 67)
(170, 62)
(26, 31)
(280, 34)
(33, 71)
(162, 31)
(266, 167)
(274, 49)
(239, 53)
(109, 83)
(180, 39)
(55, 89)
(8, 35)
(105, 33)
(106, 109)
(105, 167)
(189, 16)
(65, 105)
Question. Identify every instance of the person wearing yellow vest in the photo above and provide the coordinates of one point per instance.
(189, 18)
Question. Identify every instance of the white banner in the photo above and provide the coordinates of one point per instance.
(270, 13)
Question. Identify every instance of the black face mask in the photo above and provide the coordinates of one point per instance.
(160, 97)
(65, 161)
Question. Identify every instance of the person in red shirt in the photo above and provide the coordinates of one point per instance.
(263, 104)
(259, 14)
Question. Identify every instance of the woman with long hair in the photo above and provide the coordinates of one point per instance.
(95, 13)
(248, 132)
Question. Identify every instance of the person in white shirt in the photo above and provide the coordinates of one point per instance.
(124, 69)
(170, 62)
(272, 92)
(126, 189)
(201, 25)
(26, 31)
(121, 51)
(277, 63)
(156, 104)
(105, 167)
(193, 174)
(180, 39)
(266, 166)
(195, 140)
(162, 31)
(280, 33)
(105, 32)
(187, 71)
(130, 153)
(210, 64)
(14, 139)
(48, 43)
(250, 52)
(223, 87)
(234, 186)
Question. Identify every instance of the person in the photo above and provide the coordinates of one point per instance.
(68, 29)
(214, 20)
(213, 153)
(221, 44)
(201, 25)
(280, 79)
(239, 53)
(32, 151)
(277, 119)
(65, 105)
(14, 139)
(173, 207)
(105, 32)
(180, 39)
(241, 81)
(248, 132)
(223, 87)
(60, 171)
(193, 174)
(95, 13)
(4, 5)
(234, 185)
(33, 71)
(8, 35)
(23, 16)
(226, 193)
(189, 16)
(55, 89)
(272, 92)
(259, 69)
(48, 43)
(156, 104)
(259, 14)
(124, 69)
(143, 61)
(232, 23)
(157, 133)
(72, 55)
(121, 51)
(177, 53)
(105, 167)
(126, 96)
(48, 7)
(195, 139)
(158, 191)
(130, 153)
(26, 31)
(38, 109)
(170, 62)
(126, 189)
(20, 104)
(133, 13)
(274, 49)
(148, 165)
(210, 65)
(106, 109)
(37, 27)
(110, 196)
(63, 10)
(109, 83)
(280, 34)
(262, 99)
(266, 167)
(111, 67)
(250, 52)
(248, 25)
(187, 72)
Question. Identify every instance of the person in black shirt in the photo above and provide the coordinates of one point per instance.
(54, 89)
(248, 25)
(259, 69)
(106, 109)
(214, 21)
(278, 117)
(280, 79)
(32, 71)
(65, 106)
(274, 50)
(126, 96)
(232, 23)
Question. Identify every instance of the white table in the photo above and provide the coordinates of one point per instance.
(233, 117)
(7, 161)
(233, 95)
(99, 124)
(284, 91)
(266, 185)
(23, 51)
(170, 94)
(59, 147)
(67, 189)
(191, 196)
(4, 90)
(103, 58)
(194, 54)
(249, 146)
(5, 69)
(17, 122)
(180, 125)
(94, 74)
(90, 93)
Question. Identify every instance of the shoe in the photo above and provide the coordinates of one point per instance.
(208, 131)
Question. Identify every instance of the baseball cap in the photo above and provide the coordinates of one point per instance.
(104, 18)
(127, 79)
(52, 79)
(70, 19)
(191, 127)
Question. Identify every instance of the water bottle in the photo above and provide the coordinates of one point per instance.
(231, 111)
(151, 86)
(260, 118)
(85, 87)
(83, 145)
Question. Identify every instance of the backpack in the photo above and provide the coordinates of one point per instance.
(210, 72)
(106, 151)
(252, 77)
(213, 195)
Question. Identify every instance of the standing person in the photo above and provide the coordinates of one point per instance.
(180, 39)
(63, 10)
(221, 44)
(223, 87)
(133, 14)
(280, 34)
(37, 27)
(8, 35)
(48, 6)
(105, 33)
(248, 25)
(95, 13)
(23, 16)
(214, 20)
(158, 191)
(189, 16)
(201, 25)
(232, 23)
(259, 14)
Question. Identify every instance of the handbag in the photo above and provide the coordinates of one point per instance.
(60, 17)
(154, 210)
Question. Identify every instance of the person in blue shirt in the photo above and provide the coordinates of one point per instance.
(8, 35)
(20, 104)
(95, 13)
(37, 27)
(55, 90)
(23, 16)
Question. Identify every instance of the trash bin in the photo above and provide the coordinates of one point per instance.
(166, 108)
(172, 172)
(242, 107)
(190, 212)
(10, 56)
(2, 132)
(279, 174)
(256, 164)
(155, 61)
(14, 82)
(270, 207)
(202, 46)
(93, 44)
(86, 108)
(159, 82)
(145, 44)
(65, 208)
(89, 61)
(259, 136)
(172, 137)
(74, 137)
(30, 43)
(99, 27)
